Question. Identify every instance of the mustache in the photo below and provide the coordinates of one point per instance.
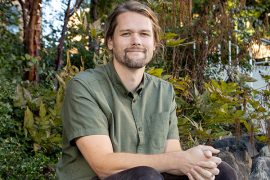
(135, 49)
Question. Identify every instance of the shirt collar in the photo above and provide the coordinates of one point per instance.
(114, 77)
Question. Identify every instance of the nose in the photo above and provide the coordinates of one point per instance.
(136, 40)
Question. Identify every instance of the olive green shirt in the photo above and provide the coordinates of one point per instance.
(97, 103)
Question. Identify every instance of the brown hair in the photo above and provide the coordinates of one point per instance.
(131, 6)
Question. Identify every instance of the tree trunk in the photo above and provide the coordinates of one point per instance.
(31, 12)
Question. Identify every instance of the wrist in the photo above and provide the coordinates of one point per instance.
(177, 162)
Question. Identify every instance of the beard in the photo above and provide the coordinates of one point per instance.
(133, 63)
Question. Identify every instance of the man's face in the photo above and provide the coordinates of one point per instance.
(132, 43)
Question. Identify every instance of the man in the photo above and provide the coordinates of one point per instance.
(119, 122)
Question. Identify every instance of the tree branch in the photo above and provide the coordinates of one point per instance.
(60, 48)
(58, 60)
(76, 6)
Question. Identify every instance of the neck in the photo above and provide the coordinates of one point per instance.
(131, 78)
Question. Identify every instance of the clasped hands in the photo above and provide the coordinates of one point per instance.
(198, 163)
(204, 163)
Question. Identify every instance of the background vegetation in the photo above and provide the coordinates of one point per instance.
(35, 67)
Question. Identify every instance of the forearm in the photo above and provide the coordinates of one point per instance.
(98, 152)
(115, 162)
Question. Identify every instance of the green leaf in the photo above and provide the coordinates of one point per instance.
(262, 138)
(261, 109)
(93, 33)
(19, 98)
(28, 57)
(28, 120)
(182, 121)
(42, 110)
(173, 42)
(246, 124)
(56, 139)
(266, 92)
(169, 35)
(265, 77)
(224, 109)
(239, 113)
(156, 72)
(220, 134)
(180, 101)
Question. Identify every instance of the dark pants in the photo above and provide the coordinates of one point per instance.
(148, 173)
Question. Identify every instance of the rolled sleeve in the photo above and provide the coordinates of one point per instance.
(81, 114)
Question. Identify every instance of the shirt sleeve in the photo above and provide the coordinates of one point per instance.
(173, 128)
(81, 113)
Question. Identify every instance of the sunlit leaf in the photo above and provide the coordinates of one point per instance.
(169, 35)
(261, 109)
(173, 42)
(156, 72)
(262, 138)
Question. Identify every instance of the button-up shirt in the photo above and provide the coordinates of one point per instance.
(97, 103)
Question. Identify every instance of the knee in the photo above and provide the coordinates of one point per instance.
(147, 173)
(226, 172)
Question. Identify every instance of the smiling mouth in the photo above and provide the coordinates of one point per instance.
(135, 50)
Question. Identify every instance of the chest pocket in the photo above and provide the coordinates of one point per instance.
(158, 128)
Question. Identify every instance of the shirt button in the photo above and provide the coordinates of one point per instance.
(140, 129)
(134, 100)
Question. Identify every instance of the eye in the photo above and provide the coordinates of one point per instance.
(125, 34)
(145, 34)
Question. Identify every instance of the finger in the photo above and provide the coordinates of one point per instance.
(207, 164)
(210, 148)
(214, 171)
(215, 159)
(203, 172)
(196, 175)
(210, 166)
(190, 176)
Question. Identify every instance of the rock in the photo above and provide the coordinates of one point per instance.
(241, 167)
(250, 160)
(265, 151)
(261, 165)
(260, 169)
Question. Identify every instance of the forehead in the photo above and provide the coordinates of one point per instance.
(133, 21)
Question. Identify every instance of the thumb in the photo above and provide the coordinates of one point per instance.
(207, 153)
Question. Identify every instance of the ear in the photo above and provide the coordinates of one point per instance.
(110, 44)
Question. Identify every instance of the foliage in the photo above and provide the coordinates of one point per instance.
(224, 108)
(11, 46)
(42, 110)
(17, 158)
(18, 163)
(42, 121)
